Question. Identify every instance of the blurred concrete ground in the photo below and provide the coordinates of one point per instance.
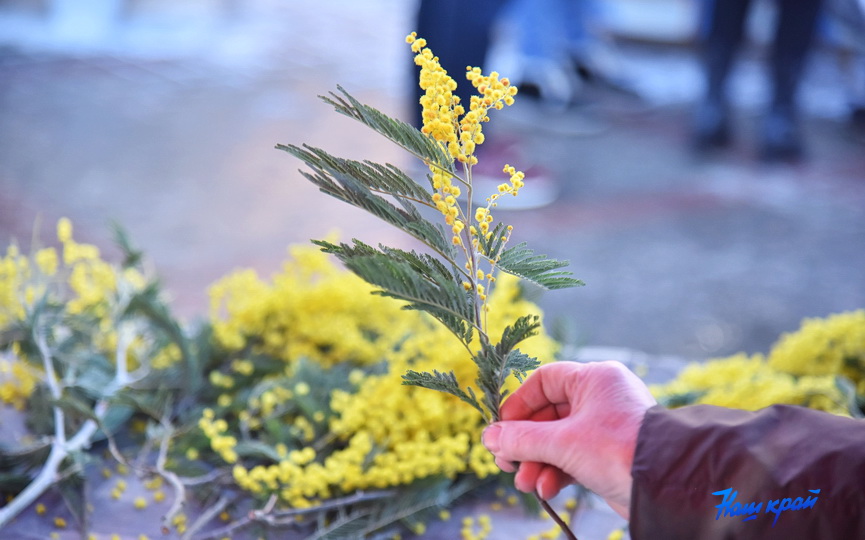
(163, 117)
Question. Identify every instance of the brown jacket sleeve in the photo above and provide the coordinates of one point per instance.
(707, 473)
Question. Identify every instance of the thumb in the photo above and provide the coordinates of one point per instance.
(525, 440)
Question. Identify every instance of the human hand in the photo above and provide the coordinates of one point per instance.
(573, 422)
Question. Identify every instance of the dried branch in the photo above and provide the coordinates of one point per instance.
(208, 515)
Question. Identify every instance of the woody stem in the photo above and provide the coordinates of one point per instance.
(561, 523)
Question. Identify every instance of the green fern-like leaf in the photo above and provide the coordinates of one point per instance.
(496, 362)
(491, 245)
(362, 186)
(386, 179)
(520, 364)
(443, 382)
(131, 257)
(490, 378)
(149, 304)
(427, 266)
(522, 262)
(412, 278)
(524, 328)
(397, 131)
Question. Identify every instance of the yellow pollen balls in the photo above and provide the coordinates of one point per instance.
(470, 532)
(373, 432)
(458, 131)
(78, 282)
(801, 369)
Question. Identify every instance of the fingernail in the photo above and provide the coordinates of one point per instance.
(539, 489)
(491, 436)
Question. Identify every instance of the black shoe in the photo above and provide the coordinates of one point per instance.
(711, 125)
(780, 137)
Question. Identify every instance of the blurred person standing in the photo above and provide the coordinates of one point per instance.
(845, 30)
(722, 34)
(560, 48)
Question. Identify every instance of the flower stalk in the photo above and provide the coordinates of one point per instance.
(471, 247)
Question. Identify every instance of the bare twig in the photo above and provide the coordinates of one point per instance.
(561, 523)
(208, 515)
(212, 476)
(49, 473)
(226, 531)
(170, 476)
(242, 522)
(53, 385)
(360, 496)
(60, 448)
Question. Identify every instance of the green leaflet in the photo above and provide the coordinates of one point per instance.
(496, 362)
(520, 364)
(132, 257)
(443, 382)
(405, 135)
(491, 244)
(257, 449)
(361, 185)
(426, 285)
(149, 305)
(522, 262)
(386, 179)
(18, 463)
(524, 328)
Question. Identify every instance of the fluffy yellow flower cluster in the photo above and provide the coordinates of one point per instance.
(745, 382)
(375, 432)
(75, 278)
(17, 378)
(214, 430)
(801, 369)
(92, 281)
(311, 310)
(470, 531)
(834, 345)
(446, 120)
(441, 108)
(14, 274)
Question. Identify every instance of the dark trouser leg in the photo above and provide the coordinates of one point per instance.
(723, 37)
(794, 35)
(723, 26)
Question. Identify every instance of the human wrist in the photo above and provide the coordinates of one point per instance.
(620, 499)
